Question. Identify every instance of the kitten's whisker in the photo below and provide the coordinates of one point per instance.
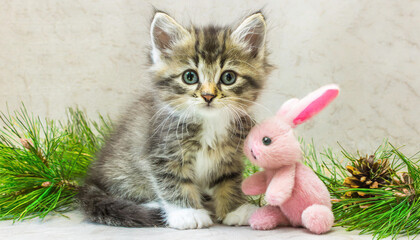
(176, 129)
(188, 116)
(160, 112)
(244, 115)
(235, 122)
(163, 124)
(181, 120)
(253, 102)
(156, 116)
(159, 126)
(238, 122)
(171, 125)
(165, 106)
(242, 110)
(248, 118)
(164, 120)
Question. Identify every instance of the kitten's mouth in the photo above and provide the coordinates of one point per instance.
(209, 106)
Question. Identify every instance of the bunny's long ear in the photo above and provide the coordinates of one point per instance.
(304, 109)
(287, 107)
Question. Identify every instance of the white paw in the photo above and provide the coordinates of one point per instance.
(187, 218)
(241, 215)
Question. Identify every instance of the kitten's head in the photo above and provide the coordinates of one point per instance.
(209, 69)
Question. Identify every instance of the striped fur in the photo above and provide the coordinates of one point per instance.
(173, 151)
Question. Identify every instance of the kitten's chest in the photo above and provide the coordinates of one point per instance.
(212, 152)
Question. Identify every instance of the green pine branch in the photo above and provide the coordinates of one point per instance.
(390, 211)
(42, 161)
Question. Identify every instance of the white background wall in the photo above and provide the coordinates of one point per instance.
(55, 54)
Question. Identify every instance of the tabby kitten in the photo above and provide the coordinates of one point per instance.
(175, 158)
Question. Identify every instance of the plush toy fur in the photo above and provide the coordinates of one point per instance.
(296, 196)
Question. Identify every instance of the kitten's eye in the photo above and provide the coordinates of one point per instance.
(228, 78)
(266, 141)
(190, 77)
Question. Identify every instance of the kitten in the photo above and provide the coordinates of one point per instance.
(176, 158)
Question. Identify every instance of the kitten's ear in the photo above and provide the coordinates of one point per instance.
(251, 32)
(165, 31)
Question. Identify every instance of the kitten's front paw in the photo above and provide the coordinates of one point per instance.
(188, 218)
(240, 216)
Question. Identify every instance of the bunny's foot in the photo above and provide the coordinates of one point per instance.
(318, 218)
(268, 217)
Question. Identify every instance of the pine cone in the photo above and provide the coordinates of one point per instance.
(367, 173)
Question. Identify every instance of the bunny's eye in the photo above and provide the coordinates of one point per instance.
(266, 141)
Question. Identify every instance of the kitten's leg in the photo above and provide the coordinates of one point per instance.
(230, 203)
(181, 200)
(183, 208)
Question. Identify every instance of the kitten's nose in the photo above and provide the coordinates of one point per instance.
(208, 97)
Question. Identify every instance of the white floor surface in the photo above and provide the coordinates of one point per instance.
(75, 227)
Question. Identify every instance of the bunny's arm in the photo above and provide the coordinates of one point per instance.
(281, 186)
(255, 184)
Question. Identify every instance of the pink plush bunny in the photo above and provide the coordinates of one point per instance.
(296, 196)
